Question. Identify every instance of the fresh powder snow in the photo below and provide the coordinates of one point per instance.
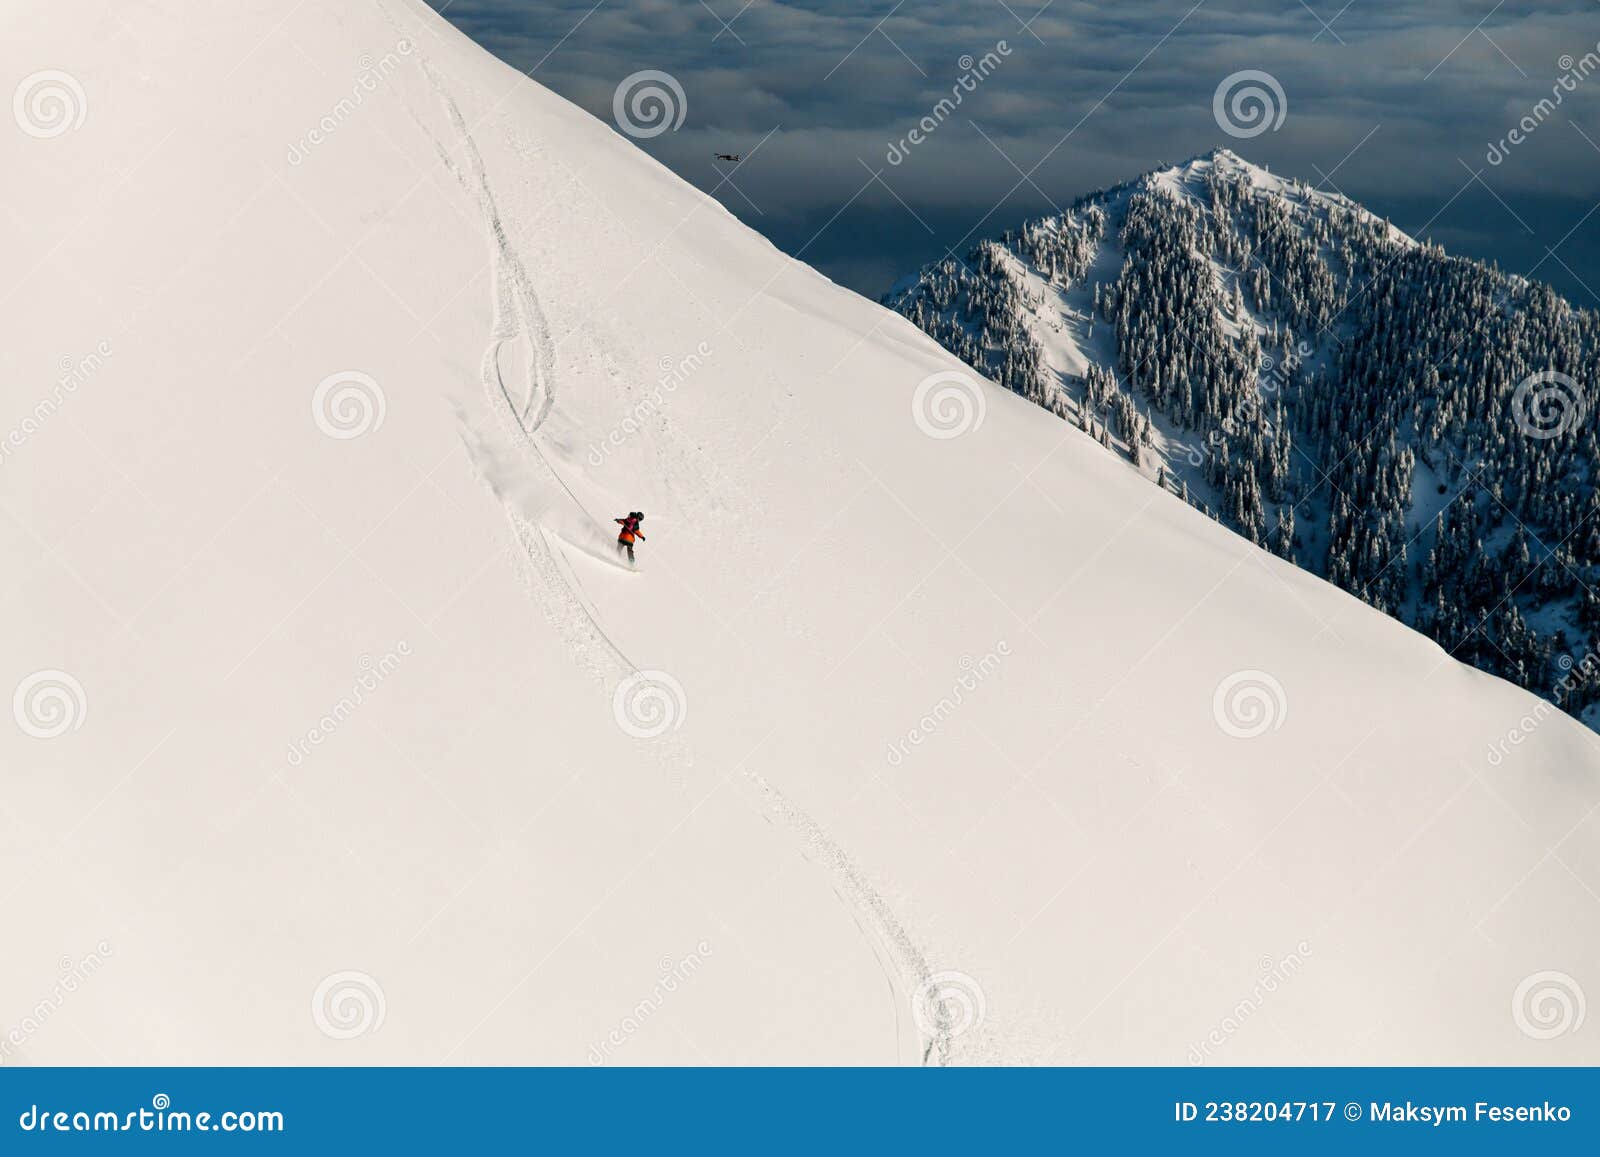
(926, 733)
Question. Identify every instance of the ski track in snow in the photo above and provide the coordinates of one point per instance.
(907, 957)
(519, 317)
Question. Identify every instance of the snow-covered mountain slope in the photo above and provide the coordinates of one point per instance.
(1413, 427)
(341, 736)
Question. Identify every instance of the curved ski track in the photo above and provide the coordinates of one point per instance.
(518, 316)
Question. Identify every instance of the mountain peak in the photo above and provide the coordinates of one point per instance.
(1223, 159)
(1216, 324)
(1220, 155)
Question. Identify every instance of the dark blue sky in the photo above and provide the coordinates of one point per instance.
(1395, 104)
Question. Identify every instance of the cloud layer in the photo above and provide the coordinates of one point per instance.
(1396, 104)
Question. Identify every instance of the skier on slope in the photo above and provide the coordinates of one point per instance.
(630, 531)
